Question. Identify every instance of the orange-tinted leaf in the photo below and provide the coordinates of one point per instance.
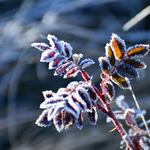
(122, 82)
(110, 90)
(110, 55)
(77, 57)
(126, 70)
(138, 51)
(135, 63)
(118, 46)
(104, 64)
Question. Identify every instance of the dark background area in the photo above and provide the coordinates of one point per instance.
(87, 25)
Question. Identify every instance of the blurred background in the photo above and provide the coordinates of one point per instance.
(87, 25)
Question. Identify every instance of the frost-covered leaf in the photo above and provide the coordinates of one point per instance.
(48, 103)
(93, 116)
(85, 97)
(47, 94)
(56, 62)
(138, 51)
(110, 89)
(69, 120)
(75, 98)
(79, 121)
(129, 117)
(73, 109)
(72, 73)
(73, 85)
(110, 54)
(86, 62)
(126, 70)
(77, 57)
(56, 110)
(58, 121)
(118, 46)
(57, 45)
(43, 119)
(61, 70)
(48, 55)
(121, 103)
(67, 50)
(122, 82)
(63, 94)
(135, 63)
(144, 143)
(91, 92)
(41, 46)
(104, 65)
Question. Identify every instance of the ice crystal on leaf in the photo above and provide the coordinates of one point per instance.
(120, 65)
(70, 104)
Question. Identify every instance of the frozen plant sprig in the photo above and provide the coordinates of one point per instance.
(68, 105)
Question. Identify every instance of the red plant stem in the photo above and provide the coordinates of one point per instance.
(120, 129)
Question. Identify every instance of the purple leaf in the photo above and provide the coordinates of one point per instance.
(58, 121)
(56, 110)
(69, 120)
(56, 62)
(61, 70)
(118, 46)
(47, 94)
(93, 116)
(86, 62)
(43, 119)
(129, 117)
(72, 73)
(48, 55)
(41, 46)
(48, 103)
(85, 97)
(57, 45)
(67, 50)
(91, 92)
(75, 98)
(73, 109)
(79, 121)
